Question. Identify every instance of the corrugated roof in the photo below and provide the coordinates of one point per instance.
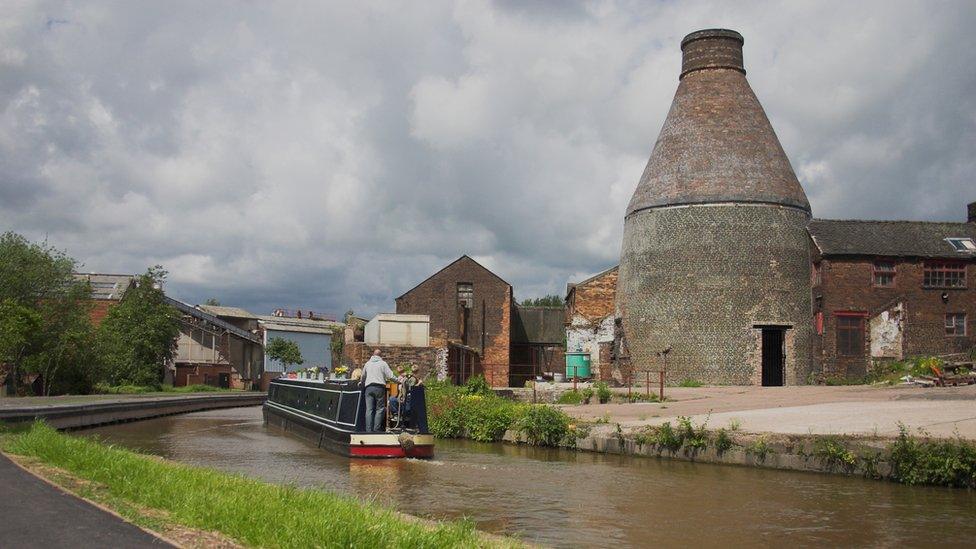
(889, 238)
(268, 325)
(197, 313)
(229, 312)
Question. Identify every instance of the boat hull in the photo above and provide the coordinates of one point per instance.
(304, 409)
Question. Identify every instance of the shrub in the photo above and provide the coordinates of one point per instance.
(723, 442)
(759, 448)
(543, 425)
(477, 385)
(587, 394)
(603, 392)
(944, 463)
(570, 397)
(693, 438)
(831, 453)
(688, 382)
(666, 438)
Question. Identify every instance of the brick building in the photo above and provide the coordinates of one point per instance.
(589, 320)
(887, 290)
(107, 292)
(538, 342)
(468, 306)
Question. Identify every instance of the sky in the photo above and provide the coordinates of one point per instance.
(330, 156)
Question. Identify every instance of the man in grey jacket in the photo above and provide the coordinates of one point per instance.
(375, 373)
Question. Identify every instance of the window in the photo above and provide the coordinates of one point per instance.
(884, 274)
(944, 274)
(465, 294)
(955, 324)
(850, 335)
(962, 244)
(816, 278)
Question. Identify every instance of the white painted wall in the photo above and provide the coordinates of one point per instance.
(395, 329)
(583, 336)
(886, 333)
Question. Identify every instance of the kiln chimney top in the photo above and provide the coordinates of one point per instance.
(712, 49)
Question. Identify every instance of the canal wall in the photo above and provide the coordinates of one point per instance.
(812, 453)
(90, 414)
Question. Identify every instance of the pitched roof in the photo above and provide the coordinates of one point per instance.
(229, 312)
(465, 256)
(107, 286)
(572, 285)
(889, 238)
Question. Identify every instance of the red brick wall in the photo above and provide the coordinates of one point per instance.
(594, 299)
(437, 297)
(356, 354)
(847, 286)
(100, 309)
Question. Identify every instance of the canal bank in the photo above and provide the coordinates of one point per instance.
(565, 498)
(907, 434)
(76, 412)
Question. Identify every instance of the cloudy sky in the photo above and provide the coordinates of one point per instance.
(331, 156)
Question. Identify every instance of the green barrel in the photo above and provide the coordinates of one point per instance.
(578, 365)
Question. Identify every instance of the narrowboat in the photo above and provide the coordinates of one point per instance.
(332, 415)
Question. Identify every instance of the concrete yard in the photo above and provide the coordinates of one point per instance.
(852, 410)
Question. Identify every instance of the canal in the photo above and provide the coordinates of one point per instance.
(564, 498)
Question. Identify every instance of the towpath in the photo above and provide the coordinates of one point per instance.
(36, 514)
(851, 410)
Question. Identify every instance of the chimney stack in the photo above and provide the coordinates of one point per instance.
(972, 212)
(712, 49)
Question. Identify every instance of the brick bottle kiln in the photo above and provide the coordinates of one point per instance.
(715, 259)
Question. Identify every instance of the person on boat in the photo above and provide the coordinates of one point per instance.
(375, 373)
(407, 380)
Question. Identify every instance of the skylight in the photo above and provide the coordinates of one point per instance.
(962, 244)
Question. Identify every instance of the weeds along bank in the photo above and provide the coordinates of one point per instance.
(148, 490)
(911, 458)
(474, 411)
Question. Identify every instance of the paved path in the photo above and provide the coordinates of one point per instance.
(36, 514)
(859, 410)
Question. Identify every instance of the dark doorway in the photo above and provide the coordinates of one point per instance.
(224, 381)
(772, 357)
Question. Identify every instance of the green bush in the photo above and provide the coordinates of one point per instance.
(587, 394)
(477, 385)
(543, 425)
(570, 397)
(940, 462)
(603, 391)
(723, 441)
(688, 382)
(832, 453)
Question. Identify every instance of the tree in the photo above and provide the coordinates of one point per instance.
(138, 336)
(284, 351)
(550, 300)
(45, 313)
(213, 301)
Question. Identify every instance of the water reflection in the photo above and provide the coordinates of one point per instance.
(564, 498)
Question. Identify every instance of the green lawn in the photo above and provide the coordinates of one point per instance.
(249, 511)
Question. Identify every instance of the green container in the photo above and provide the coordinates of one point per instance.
(577, 365)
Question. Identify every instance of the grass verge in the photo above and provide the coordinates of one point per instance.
(248, 511)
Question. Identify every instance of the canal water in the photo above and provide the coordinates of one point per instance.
(577, 499)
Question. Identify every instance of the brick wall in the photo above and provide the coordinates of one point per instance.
(847, 286)
(700, 279)
(593, 300)
(437, 297)
(424, 358)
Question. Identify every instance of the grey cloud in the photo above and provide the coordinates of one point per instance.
(331, 156)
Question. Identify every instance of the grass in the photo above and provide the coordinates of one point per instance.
(204, 499)
(143, 389)
(688, 382)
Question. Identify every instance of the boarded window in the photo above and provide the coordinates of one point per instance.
(850, 335)
(884, 274)
(465, 295)
(955, 324)
(944, 274)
